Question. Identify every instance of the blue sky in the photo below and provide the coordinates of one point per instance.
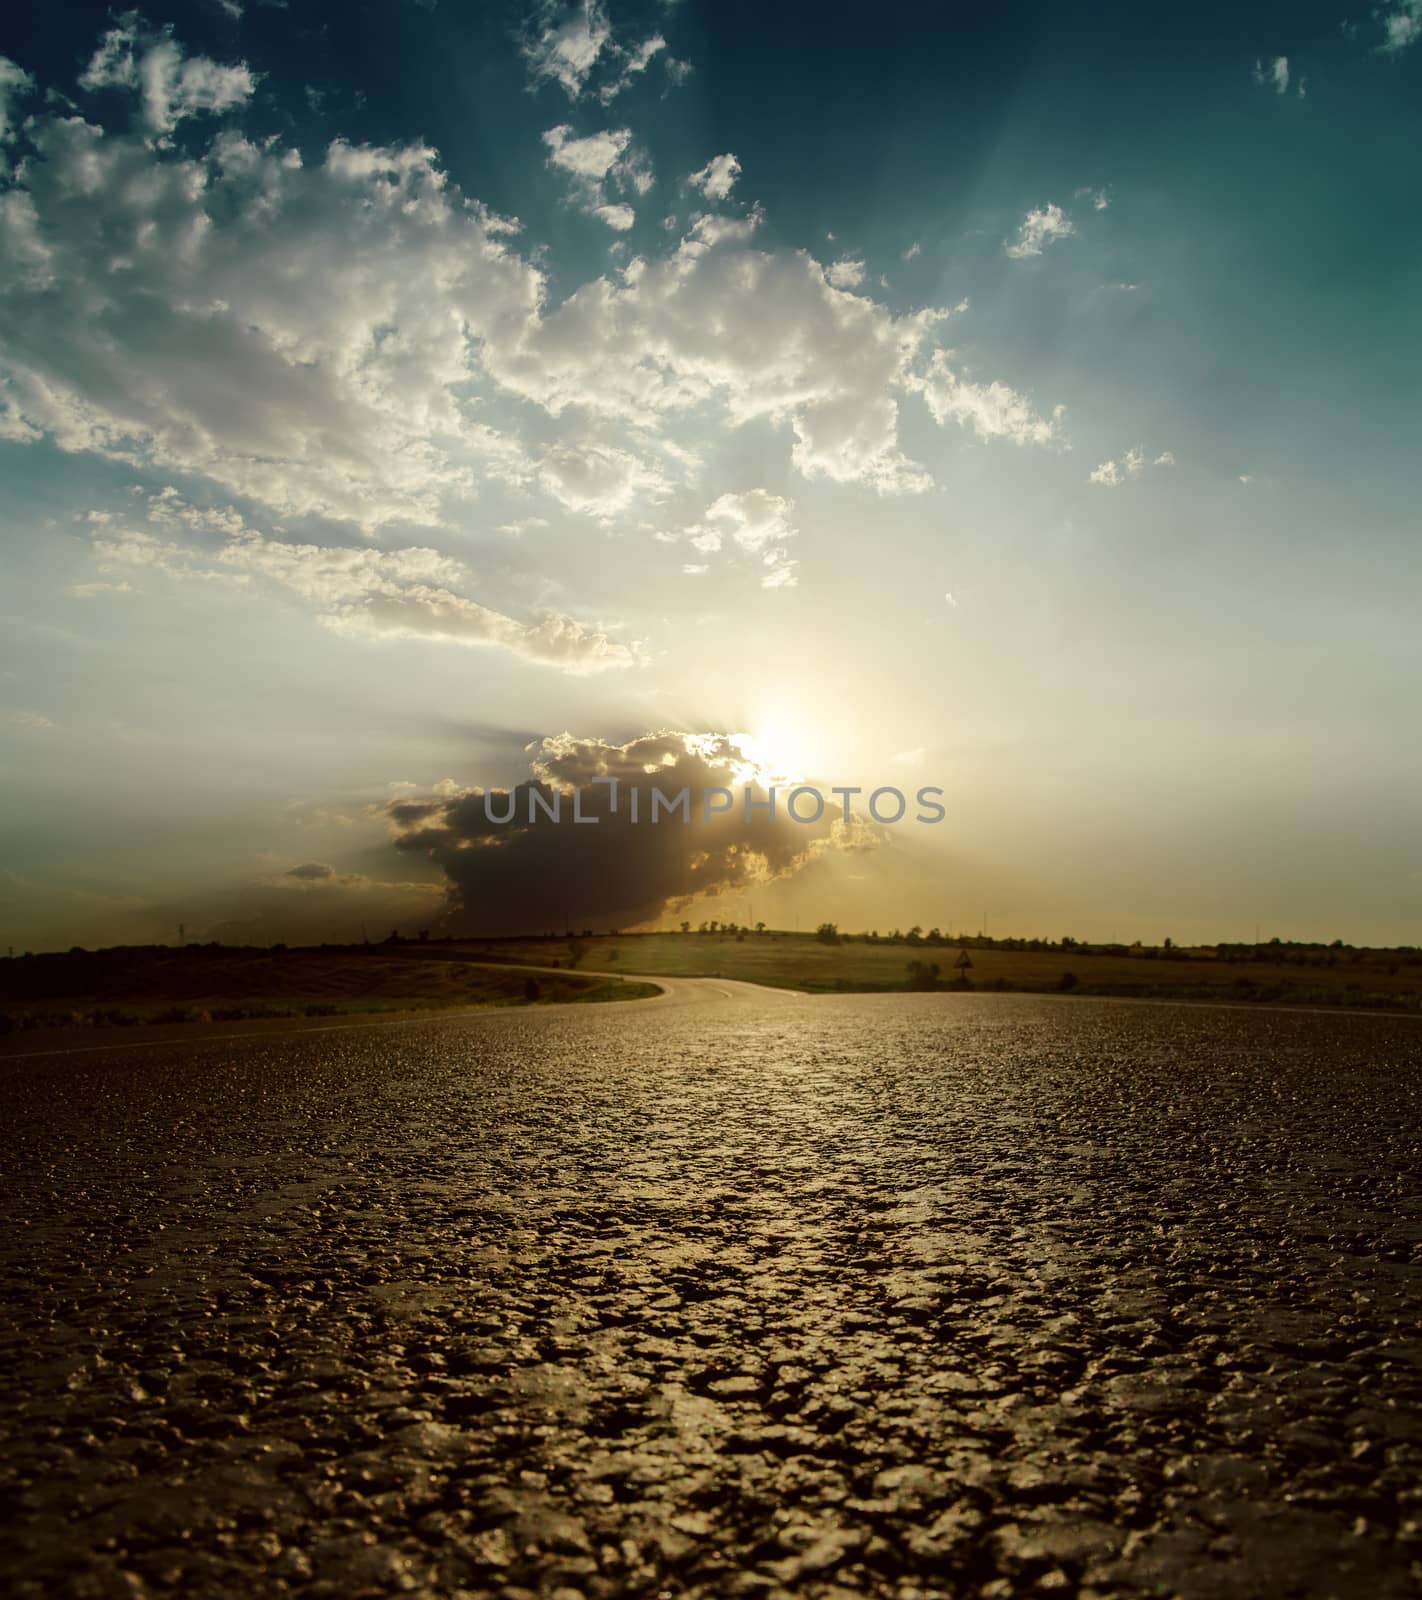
(1021, 403)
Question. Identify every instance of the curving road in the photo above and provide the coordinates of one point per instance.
(732, 1292)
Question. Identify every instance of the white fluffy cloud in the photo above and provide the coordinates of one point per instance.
(340, 302)
(598, 479)
(846, 274)
(172, 86)
(355, 590)
(1112, 474)
(754, 521)
(717, 178)
(1039, 229)
(571, 44)
(566, 43)
(991, 410)
(598, 163)
(387, 349)
(632, 63)
(753, 335)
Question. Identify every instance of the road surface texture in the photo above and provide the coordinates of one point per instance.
(732, 1292)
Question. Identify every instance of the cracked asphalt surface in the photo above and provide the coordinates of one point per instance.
(733, 1292)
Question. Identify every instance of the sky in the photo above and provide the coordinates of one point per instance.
(401, 402)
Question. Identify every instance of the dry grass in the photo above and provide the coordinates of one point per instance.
(116, 988)
(1388, 979)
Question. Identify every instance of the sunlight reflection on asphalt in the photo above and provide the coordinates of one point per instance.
(733, 1292)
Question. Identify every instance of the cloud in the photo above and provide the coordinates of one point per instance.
(410, 593)
(389, 350)
(315, 902)
(717, 178)
(633, 62)
(1402, 26)
(314, 871)
(715, 325)
(992, 410)
(341, 303)
(599, 163)
(530, 877)
(600, 480)
(754, 519)
(1112, 474)
(618, 217)
(846, 274)
(1274, 74)
(13, 83)
(516, 530)
(571, 44)
(172, 86)
(590, 158)
(566, 44)
(31, 719)
(755, 522)
(1039, 228)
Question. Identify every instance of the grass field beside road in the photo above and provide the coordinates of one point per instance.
(155, 984)
(1390, 980)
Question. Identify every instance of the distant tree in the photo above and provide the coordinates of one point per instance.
(935, 936)
(915, 934)
(923, 975)
(760, 927)
(827, 933)
(686, 927)
(1168, 945)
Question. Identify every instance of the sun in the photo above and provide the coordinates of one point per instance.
(780, 747)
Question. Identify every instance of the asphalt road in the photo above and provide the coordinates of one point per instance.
(732, 1292)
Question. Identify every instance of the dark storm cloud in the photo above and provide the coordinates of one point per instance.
(523, 876)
